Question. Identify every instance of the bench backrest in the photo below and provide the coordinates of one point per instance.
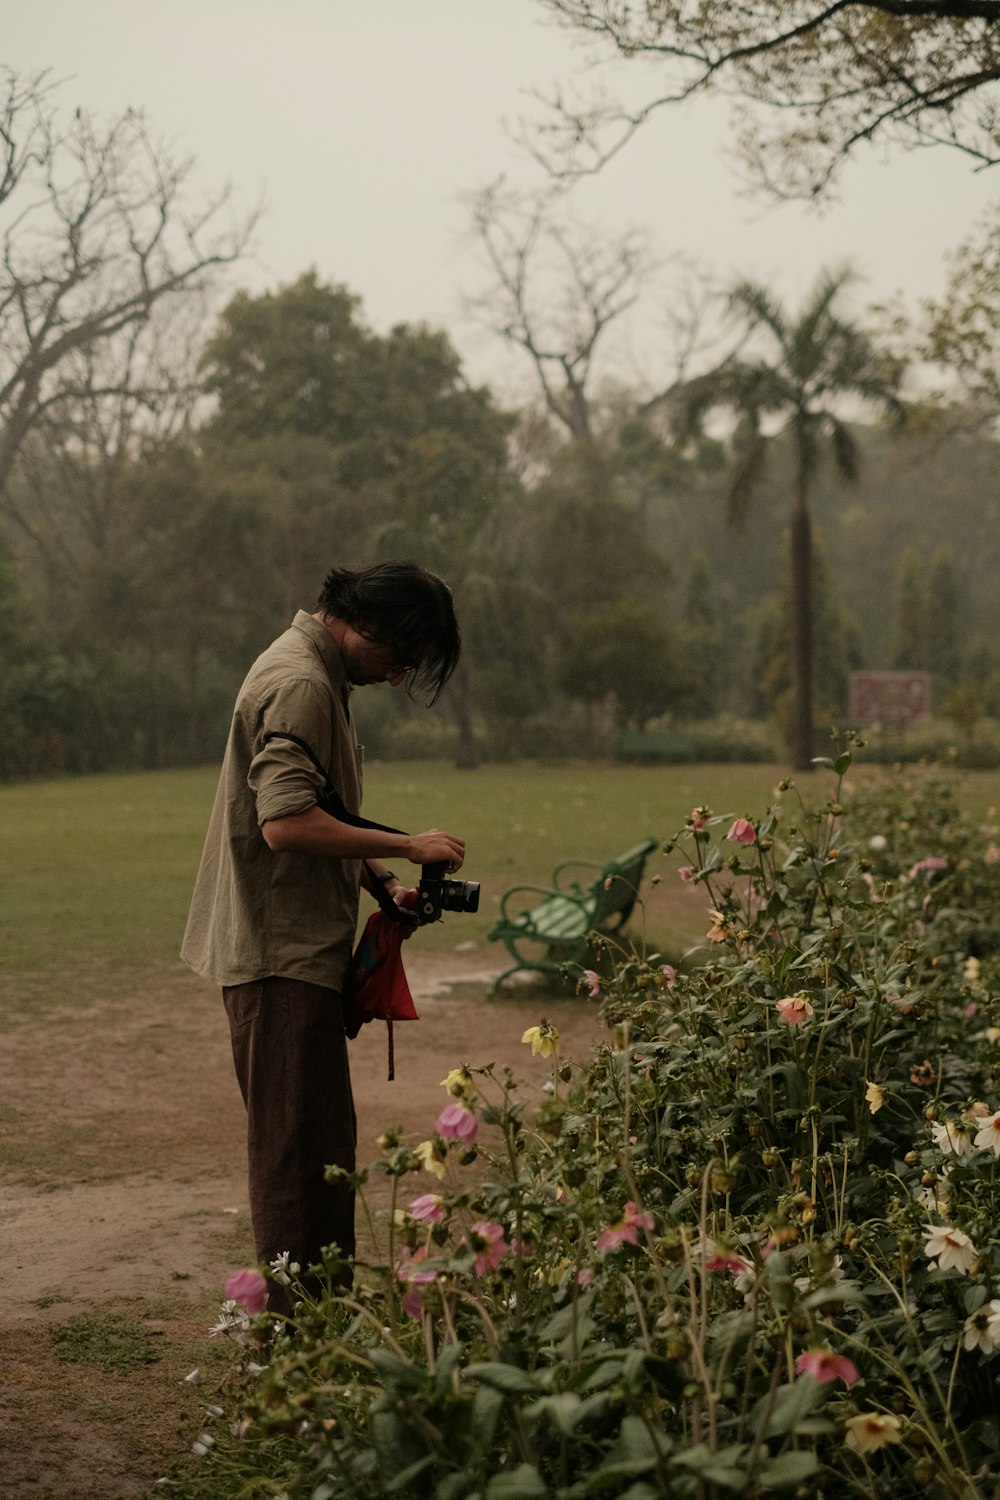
(618, 884)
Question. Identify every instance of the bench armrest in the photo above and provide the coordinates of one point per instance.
(574, 864)
(545, 892)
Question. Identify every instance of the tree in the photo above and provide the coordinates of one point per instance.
(812, 362)
(704, 678)
(556, 288)
(909, 613)
(927, 616)
(962, 329)
(830, 74)
(375, 444)
(96, 233)
(621, 652)
(771, 669)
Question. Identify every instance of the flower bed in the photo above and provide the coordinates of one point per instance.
(748, 1246)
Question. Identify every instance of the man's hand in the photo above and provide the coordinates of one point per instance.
(436, 848)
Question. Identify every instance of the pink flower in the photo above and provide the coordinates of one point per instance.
(592, 982)
(249, 1289)
(491, 1247)
(626, 1231)
(794, 1010)
(722, 1259)
(670, 975)
(823, 1365)
(457, 1123)
(697, 817)
(584, 1276)
(930, 863)
(428, 1207)
(742, 832)
(686, 873)
(412, 1277)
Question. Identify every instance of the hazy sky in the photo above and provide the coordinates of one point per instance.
(363, 122)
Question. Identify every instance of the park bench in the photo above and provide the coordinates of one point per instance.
(558, 928)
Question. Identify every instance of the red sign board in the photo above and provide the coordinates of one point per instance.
(889, 697)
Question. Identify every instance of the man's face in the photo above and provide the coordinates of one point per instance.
(367, 661)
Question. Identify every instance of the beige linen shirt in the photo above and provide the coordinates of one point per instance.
(256, 913)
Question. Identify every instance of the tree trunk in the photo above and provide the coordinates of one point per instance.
(466, 750)
(801, 631)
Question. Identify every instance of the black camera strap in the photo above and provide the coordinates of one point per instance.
(330, 801)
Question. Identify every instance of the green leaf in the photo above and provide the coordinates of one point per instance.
(397, 1371)
(787, 1471)
(793, 1408)
(455, 1487)
(842, 763)
(562, 1411)
(487, 1404)
(405, 1477)
(522, 1483)
(507, 1378)
(449, 1358)
(723, 1467)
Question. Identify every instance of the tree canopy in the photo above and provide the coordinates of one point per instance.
(812, 80)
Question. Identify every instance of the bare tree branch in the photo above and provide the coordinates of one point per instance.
(811, 82)
(95, 233)
(555, 290)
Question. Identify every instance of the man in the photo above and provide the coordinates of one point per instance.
(275, 905)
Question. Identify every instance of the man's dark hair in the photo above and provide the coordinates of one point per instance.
(403, 607)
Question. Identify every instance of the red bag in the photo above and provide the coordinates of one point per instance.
(376, 988)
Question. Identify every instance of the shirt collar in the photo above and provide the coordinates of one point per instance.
(325, 646)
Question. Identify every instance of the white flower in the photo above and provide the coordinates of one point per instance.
(234, 1320)
(988, 1134)
(971, 970)
(280, 1268)
(950, 1137)
(982, 1328)
(878, 842)
(950, 1248)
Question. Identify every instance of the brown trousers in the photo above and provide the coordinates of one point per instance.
(290, 1053)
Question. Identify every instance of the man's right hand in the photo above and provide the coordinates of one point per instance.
(436, 848)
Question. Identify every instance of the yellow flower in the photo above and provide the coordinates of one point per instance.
(717, 932)
(429, 1154)
(875, 1097)
(871, 1430)
(459, 1085)
(544, 1039)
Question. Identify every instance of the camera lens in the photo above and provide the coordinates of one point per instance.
(460, 895)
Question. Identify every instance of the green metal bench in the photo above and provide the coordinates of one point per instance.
(558, 928)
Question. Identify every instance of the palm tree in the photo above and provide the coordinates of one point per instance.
(815, 361)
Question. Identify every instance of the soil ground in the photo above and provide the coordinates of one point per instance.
(124, 1205)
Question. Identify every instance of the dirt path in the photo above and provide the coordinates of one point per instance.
(122, 1198)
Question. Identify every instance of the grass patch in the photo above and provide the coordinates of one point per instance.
(113, 1344)
(97, 870)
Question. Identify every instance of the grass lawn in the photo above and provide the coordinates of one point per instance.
(97, 871)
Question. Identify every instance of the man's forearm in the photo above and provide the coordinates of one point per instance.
(316, 832)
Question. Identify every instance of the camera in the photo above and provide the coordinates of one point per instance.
(436, 894)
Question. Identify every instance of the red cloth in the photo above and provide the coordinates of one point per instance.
(377, 989)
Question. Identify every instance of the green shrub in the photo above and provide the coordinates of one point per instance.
(748, 1246)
